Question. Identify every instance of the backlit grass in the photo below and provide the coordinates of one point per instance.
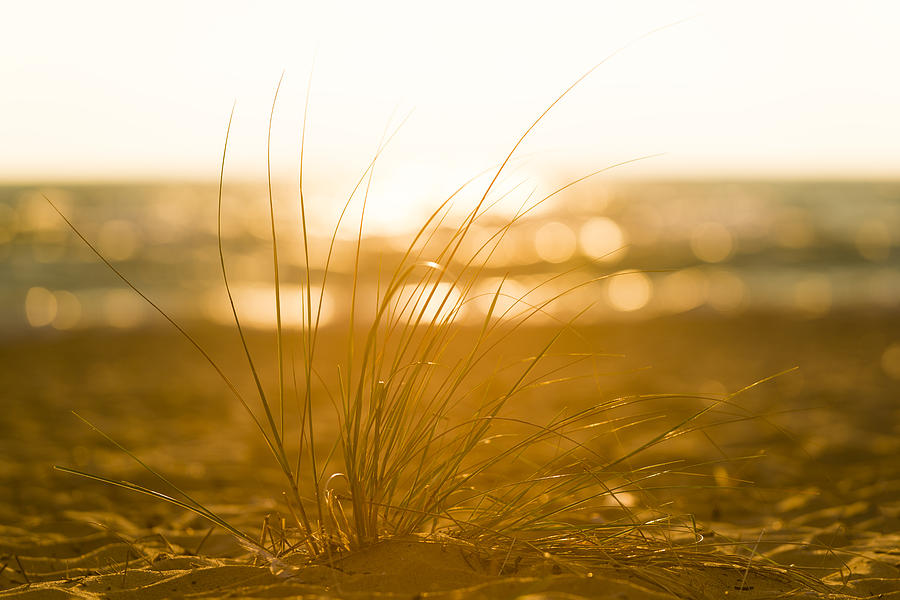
(436, 436)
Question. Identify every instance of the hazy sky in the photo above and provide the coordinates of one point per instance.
(123, 89)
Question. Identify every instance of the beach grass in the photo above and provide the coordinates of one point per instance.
(434, 439)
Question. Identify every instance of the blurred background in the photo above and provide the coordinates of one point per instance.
(752, 225)
(773, 131)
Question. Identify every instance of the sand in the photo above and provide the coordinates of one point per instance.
(822, 514)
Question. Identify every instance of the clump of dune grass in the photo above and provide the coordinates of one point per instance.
(430, 442)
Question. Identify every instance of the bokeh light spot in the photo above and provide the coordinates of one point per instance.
(35, 214)
(68, 313)
(555, 242)
(629, 291)
(508, 299)
(40, 306)
(429, 303)
(712, 242)
(255, 305)
(602, 239)
(683, 290)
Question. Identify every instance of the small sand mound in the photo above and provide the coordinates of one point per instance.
(98, 564)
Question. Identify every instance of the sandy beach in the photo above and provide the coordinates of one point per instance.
(819, 504)
(408, 301)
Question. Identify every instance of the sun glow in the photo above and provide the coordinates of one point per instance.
(703, 89)
(255, 305)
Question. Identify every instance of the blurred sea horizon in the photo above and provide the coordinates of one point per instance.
(801, 248)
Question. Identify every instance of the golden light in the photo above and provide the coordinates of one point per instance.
(727, 292)
(601, 238)
(255, 305)
(68, 310)
(712, 242)
(8, 224)
(40, 307)
(555, 242)
(123, 309)
(427, 303)
(884, 288)
(812, 295)
(507, 297)
(684, 290)
(873, 240)
(118, 240)
(702, 88)
(51, 246)
(629, 291)
(793, 229)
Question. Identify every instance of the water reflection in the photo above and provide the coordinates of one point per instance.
(40, 306)
(712, 242)
(507, 296)
(61, 308)
(33, 213)
(684, 290)
(123, 309)
(118, 240)
(602, 239)
(555, 242)
(629, 291)
(883, 288)
(812, 295)
(515, 250)
(643, 224)
(801, 249)
(68, 310)
(538, 299)
(429, 303)
(50, 246)
(873, 241)
(727, 292)
(793, 229)
(9, 225)
(255, 305)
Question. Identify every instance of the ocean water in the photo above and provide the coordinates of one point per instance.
(802, 248)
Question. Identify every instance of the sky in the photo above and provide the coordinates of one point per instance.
(123, 90)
